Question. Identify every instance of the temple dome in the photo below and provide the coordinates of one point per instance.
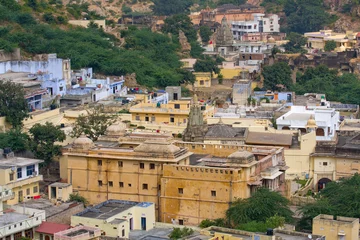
(311, 123)
(271, 40)
(160, 146)
(116, 129)
(83, 142)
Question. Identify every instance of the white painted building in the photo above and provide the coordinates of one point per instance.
(327, 121)
(259, 23)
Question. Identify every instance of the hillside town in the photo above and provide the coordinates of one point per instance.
(214, 122)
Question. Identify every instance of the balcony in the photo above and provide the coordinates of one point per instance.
(25, 181)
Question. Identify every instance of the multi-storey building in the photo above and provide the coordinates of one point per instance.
(155, 170)
(260, 23)
(19, 174)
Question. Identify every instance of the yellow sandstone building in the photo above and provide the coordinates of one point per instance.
(185, 187)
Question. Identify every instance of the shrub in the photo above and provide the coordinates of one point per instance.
(77, 198)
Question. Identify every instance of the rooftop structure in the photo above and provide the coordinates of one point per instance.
(78, 233)
(334, 229)
(50, 228)
(344, 41)
(327, 121)
(20, 174)
(115, 218)
(258, 24)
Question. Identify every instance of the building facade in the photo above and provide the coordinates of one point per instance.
(21, 175)
(334, 229)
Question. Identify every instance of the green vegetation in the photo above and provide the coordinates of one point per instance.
(93, 125)
(178, 233)
(318, 79)
(277, 75)
(306, 15)
(42, 141)
(205, 33)
(77, 198)
(219, 222)
(296, 43)
(338, 199)
(171, 7)
(14, 139)
(330, 46)
(264, 209)
(152, 56)
(13, 104)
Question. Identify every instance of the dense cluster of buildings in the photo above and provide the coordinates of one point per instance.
(173, 160)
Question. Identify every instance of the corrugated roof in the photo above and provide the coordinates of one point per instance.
(51, 228)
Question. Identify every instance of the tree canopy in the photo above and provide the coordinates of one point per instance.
(276, 75)
(330, 46)
(13, 104)
(296, 43)
(43, 138)
(205, 33)
(93, 125)
(15, 139)
(306, 15)
(171, 7)
(339, 198)
(262, 205)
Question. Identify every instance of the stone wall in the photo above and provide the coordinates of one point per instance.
(64, 217)
(13, 56)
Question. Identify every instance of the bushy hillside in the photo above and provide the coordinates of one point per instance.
(152, 56)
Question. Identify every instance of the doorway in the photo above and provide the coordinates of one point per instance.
(322, 183)
(143, 223)
(53, 193)
(131, 223)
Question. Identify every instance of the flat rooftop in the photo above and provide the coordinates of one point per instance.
(6, 163)
(49, 207)
(11, 217)
(110, 208)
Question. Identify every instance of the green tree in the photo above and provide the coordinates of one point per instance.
(171, 7)
(93, 125)
(14, 139)
(206, 65)
(306, 15)
(330, 46)
(180, 22)
(77, 198)
(278, 73)
(296, 43)
(205, 33)
(337, 198)
(13, 104)
(43, 138)
(262, 205)
(126, 9)
(220, 78)
(49, 18)
(178, 233)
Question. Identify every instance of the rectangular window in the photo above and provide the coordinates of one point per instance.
(180, 190)
(100, 183)
(137, 118)
(146, 119)
(181, 222)
(19, 173)
(30, 170)
(11, 177)
(99, 162)
(172, 119)
(121, 184)
(153, 119)
(177, 106)
(152, 165)
(120, 163)
(324, 163)
(145, 186)
(35, 190)
(142, 165)
(213, 193)
(123, 232)
(110, 183)
(28, 191)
